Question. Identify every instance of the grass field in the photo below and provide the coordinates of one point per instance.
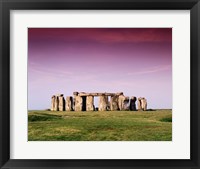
(100, 126)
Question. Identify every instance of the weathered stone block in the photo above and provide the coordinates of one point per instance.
(123, 102)
(144, 104)
(119, 93)
(75, 93)
(126, 104)
(132, 103)
(56, 104)
(69, 103)
(139, 104)
(114, 103)
(103, 101)
(61, 106)
(90, 103)
(78, 103)
(53, 102)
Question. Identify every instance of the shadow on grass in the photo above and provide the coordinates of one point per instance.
(43, 117)
(150, 110)
(166, 119)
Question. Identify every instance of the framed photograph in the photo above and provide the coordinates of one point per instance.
(99, 84)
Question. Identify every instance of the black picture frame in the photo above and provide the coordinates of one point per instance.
(7, 5)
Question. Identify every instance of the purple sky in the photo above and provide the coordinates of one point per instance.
(136, 61)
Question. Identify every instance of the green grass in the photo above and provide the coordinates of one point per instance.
(100, 126)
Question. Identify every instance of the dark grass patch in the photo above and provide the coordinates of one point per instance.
(33, 118)
(166, 119)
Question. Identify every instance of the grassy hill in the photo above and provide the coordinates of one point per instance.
(100, 126)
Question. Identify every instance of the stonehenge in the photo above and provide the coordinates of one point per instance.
(82, 101)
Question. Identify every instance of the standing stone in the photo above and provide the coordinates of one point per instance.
(78, 103)
(121, 101)
(69, 103)
(103, 101)
(114, 103)
(139, 104)
(126, 104)
(144, 104)
(53, 102)
(56, 104)
(90, 103)
(61, 106)
(132, 103)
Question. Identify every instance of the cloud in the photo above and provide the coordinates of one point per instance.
(152, 70)
(48, 71)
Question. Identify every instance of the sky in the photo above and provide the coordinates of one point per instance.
(135, 61)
